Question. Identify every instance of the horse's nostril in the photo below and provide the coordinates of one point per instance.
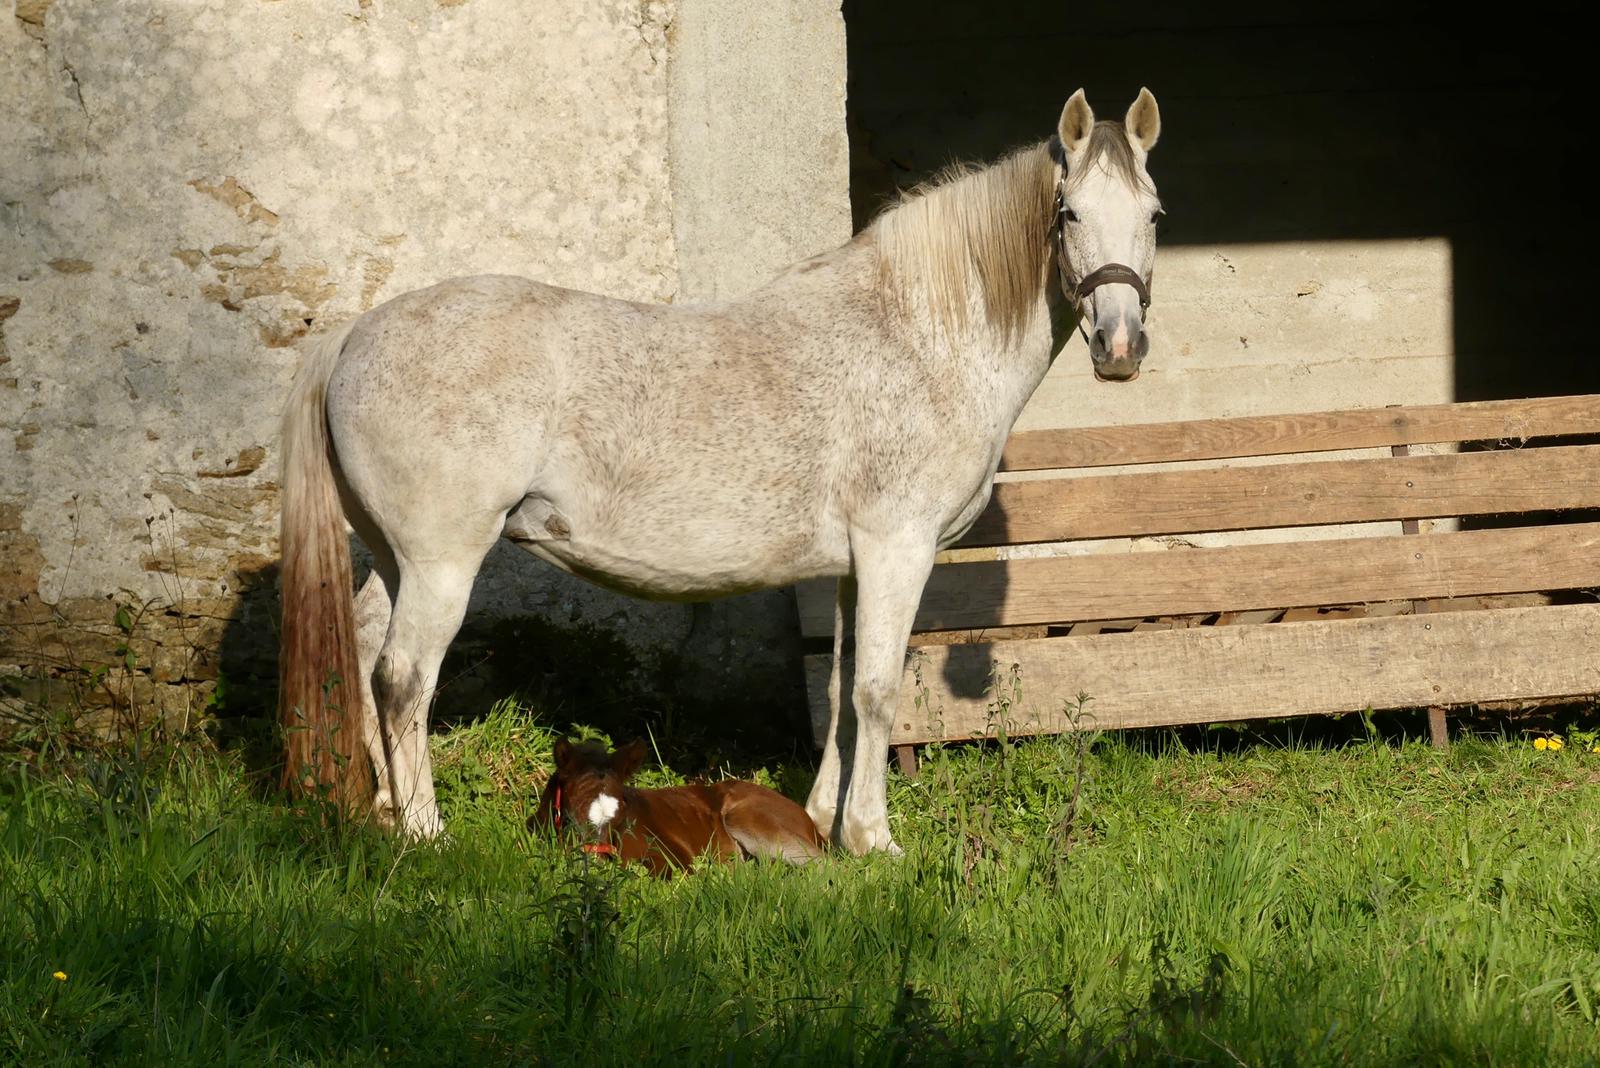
(1101, 341)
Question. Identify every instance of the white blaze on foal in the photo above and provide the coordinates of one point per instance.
(602, 810)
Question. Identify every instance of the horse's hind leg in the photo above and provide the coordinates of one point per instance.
(431, 601)
(374, 605)
(890, 573)
(827, 792)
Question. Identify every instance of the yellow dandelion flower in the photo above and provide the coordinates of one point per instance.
(1556, 743)
(1596, 749)
(1541, 743)
(61, 977)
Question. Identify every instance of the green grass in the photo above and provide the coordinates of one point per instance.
(1369, 903)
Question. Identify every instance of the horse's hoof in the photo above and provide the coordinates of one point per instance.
(384, 815)
(422, 830)
(875, 840)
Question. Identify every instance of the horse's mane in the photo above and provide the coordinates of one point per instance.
(983, 228)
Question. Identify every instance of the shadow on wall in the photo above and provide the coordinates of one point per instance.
(1281, 123)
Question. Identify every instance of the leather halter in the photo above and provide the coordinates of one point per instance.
(1077, 289)
(603, 849)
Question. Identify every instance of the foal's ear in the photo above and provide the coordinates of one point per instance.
(1077, 123)
(563, 753)
(628, 759)
(1143, 122)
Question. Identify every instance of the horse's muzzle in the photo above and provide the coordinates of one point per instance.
(1117, 347)
(1117, 370)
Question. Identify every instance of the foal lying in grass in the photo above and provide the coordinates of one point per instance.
(588, 795)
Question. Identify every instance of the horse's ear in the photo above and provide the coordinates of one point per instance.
(563, 753)
(628, 759)
(1077, 123)
(1143, 122)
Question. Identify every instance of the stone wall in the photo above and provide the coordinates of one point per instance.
(188, 188)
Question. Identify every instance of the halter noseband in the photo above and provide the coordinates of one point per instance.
(604, 849)
(1077, 289)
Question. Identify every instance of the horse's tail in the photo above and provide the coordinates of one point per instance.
(319, 687)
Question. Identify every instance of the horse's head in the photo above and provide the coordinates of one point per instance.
(1105, 228)
(585, 790)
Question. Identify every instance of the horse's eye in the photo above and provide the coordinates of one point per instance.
(1069, 215)
(1155, 215)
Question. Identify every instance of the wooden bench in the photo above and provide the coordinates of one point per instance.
(1333, 621)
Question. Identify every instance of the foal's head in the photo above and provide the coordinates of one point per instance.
(585, 790)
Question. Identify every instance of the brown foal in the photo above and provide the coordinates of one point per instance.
(670, 828)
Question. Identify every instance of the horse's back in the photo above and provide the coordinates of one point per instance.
(665, 451)
(442, 396)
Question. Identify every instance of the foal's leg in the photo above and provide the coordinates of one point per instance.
(427, 613)
(760, 835)
(890, 573)
(827, 792)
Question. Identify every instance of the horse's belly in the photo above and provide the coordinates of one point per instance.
(691, 558)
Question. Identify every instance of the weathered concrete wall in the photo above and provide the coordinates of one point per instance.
(188, 188)
(760, 162)
(1256, 329)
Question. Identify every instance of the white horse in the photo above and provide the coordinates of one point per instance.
(846, 419)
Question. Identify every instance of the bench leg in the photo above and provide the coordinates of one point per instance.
(1438, 729)
(905, 756)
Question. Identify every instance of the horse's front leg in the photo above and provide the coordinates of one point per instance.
(827, 792)
(890, 573)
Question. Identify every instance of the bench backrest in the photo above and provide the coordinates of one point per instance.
(1507, 466)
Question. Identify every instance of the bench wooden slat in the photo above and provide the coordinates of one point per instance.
(1000, 593)
(1272, 435)
(1292, 494)
(1213, 674)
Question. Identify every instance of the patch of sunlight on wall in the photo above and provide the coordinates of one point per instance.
(1255, 329)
